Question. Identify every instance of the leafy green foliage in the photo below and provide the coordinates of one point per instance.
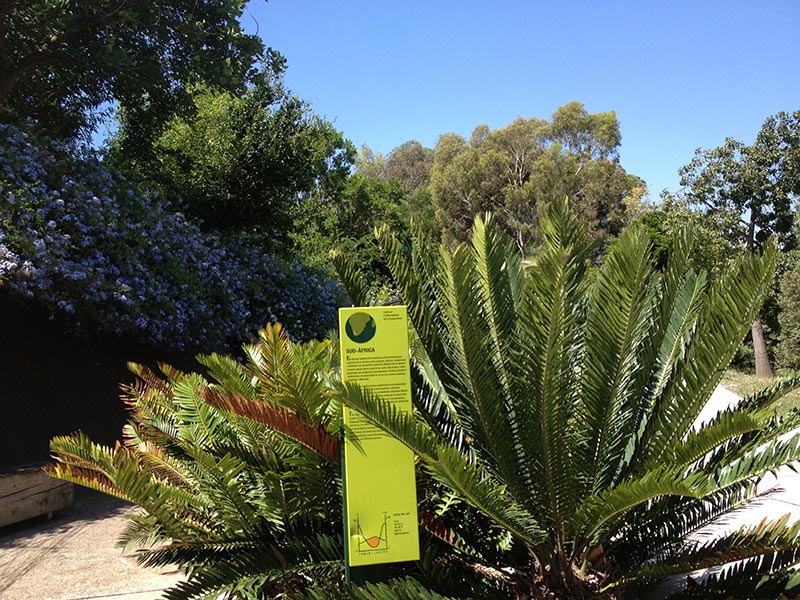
(244, 162)
(673, 215)
(789, 316)
(346, 225)
(63, 59)
(239, 478)
(758, 185)
(517, 170)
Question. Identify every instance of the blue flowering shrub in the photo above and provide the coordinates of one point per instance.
(105, 256)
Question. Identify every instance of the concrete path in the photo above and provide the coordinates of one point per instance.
(778, 495)
(73, 556)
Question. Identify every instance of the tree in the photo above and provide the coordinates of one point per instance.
(245, 162)
(346, 225)
(410, 163)
(759, 186)
(370, 164)
(666, 221)
(60, 61)
(789, 316)
(517, 170)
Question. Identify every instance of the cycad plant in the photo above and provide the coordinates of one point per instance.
(559, 402)
(237, 475)
(238, 479)
(554, 419)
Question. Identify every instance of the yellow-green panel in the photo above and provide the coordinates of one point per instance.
(381, 494)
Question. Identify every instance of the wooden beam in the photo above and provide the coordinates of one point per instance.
(30, 493)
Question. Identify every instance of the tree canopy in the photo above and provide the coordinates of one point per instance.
(61, 60)
(758, 185)
(516, 170)
(244, 162)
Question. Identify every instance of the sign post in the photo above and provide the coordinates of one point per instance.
(380, 487)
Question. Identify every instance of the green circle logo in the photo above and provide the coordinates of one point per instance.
(360, 327)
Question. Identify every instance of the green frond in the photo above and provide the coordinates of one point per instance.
(258, 570)
(227, 372)
(600, 512)
(353, 280)
(292, 375)
(732, 304)
(658, 530)
(549, 372)
(199, 422)
(446, 464)
(232, 494)
(758, 461)
(619, 326)
(750, 580)
(416, 270)
(763, 548)
(681, 296)
(726, 426)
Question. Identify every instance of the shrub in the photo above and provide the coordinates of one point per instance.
(106, 256)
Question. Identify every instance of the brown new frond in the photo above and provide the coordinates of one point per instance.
(438, 529)
(153, 380)
(87, 477)
(277, 418)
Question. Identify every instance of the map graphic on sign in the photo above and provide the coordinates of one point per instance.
(360, 327)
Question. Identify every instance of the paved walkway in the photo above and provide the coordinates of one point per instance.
(73, 556)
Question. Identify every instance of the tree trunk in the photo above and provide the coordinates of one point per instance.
(763, 368)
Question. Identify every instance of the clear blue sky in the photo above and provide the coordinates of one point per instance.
(680, 75)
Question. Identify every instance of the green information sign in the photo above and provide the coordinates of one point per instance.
(380, 489)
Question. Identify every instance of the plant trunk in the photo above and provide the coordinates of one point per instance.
(763, 367)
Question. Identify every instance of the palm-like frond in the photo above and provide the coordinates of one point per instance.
(763, 548)
(445, 463)
(618, 324)
(732, 304)
(231, 476)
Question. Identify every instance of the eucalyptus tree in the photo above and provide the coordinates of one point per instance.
(516, 170)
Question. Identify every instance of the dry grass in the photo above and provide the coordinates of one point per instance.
(746, 383)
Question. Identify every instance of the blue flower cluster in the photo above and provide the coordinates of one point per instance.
(105, 256)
